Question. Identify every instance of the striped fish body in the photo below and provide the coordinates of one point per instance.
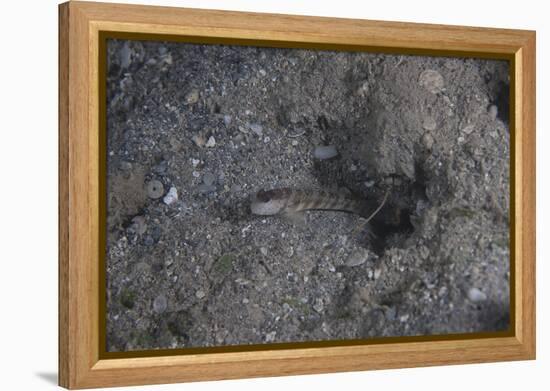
(288, 201)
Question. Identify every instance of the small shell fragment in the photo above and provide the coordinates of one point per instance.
(155, 189)
(211, 142)
(325, 152)
(171, 196)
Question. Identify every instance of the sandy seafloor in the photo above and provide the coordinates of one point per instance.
(215, 124)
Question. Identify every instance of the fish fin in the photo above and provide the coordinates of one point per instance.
(296, 218)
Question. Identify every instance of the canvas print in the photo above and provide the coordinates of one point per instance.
(262, 195)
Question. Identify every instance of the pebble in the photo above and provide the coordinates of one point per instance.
(429, 123)
(205, 189)
(257, 129)
(155, 189)
(318, 305)
(476, 295)
(468, 129)
(358, 257)
(263, 250)
(391, 313)
(159, 304)
(192, 97)
(270, 337)
(139, 225)
(200, 294)
(428, 140)
(174, 143)
(432, 81)
(125, 56)
(377, 273)
(171, 196)
(195, 162)
(198, 140)
(227, 120)
(294, 143)
(493, 112)
(161, 167)
(125, 166)
(325, 152)
(208, 179)
(211, 142)
(404, 318)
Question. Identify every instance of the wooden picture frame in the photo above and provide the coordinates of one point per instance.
(82, 25)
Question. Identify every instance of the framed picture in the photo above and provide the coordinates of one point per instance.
(247, 195)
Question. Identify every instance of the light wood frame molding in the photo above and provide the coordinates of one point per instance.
(81, 364)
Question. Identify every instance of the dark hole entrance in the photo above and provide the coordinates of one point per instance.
(390, 228)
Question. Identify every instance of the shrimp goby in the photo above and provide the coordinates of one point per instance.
(288, 201)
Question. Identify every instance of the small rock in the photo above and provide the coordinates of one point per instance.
(200, 294)
(211, 142)
(159, 304)
(294, 143)
(161, 167)
(195, 162)
(404, 318)
(227, 120)
(427, 140)
(155, 189)
(325, 152)
(198, 140)
(391, 313)
(424, 252)
(377, 273)
(493, 112)
(139, 226)
(168, 59)
(266, 140)
(263, 250)
(270, 337)
(468, 129)
(476, 295)
(208, 179)
(429, 123)
(432, 81)
(174, 143)
(125, 166)
(205, 189)
(125, 56)
(358, 257)
(318, 305)
(192, 97)
(257, 129)
(171, 197)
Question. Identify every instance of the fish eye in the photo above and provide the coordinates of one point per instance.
(263, 196)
